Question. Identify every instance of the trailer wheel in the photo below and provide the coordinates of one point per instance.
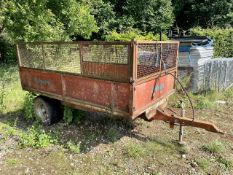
(48, 111)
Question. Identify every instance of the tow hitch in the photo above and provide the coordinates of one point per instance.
(168, 116)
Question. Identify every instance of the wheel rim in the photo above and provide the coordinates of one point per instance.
(42, 112)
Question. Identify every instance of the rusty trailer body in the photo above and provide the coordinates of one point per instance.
(113, 77)
(125, 79)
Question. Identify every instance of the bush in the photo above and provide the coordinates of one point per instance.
(72, 115)
(223, 40)
(7, 51)
(133, 34)
(28, 106)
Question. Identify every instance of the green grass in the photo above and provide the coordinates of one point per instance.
(75, 148)
(203, 100)
(113, 134)
(214, 147)
(135, 150)
(204, 164)
(13, 98)
(12, 161)
(227, 164)
(160, 148)
(36, 137)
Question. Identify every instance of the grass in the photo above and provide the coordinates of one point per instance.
(204, 164)
(203, 100)
(113, 134)
(136, 150)
(12, 161)
(160, 148)
(214, 147)
(75, 148)
(12, 95)
(36, 138)
(227, 164)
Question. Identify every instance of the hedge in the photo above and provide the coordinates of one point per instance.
(133, 34)
(223, 40)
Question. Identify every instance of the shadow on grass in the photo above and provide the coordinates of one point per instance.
(84, 134)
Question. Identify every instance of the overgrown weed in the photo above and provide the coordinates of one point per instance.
(204, 164)
(28, 106)
(214, 147)
(72, 115)
(36, 137)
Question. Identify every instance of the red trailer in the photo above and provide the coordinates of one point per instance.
(128, 79)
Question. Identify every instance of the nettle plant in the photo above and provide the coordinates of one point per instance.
(2, 96)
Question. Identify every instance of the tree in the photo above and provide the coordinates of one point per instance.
(150, 15)
(209, 13)
(75, 17)
(30, 20)
(104, 15)
(204, 13)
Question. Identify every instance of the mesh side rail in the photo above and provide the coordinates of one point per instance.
(104, 61)
(48, 56)
(150, 54)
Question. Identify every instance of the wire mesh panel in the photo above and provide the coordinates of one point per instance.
(50, 56)
(169, 55)
(152, 57)
(106, 61)
(113, 54)
(101, 60)
(62, 57)
(149, 56)
(31, 55)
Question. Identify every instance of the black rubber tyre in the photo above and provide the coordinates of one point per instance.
(48, 111)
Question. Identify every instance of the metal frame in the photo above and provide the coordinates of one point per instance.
(132, 85)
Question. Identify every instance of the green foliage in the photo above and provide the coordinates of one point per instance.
(2, 96)
(75, 17)
(204, 164)
(113, 134)
(12, 161)
(36, 138)
(75, 148)
(72, 115)
(136, 150)
(214, 147)
(150, 15)
(28, 106)
(68, 115)
(133, 34)
(227, 164)
(208, 13)
(104, 15)
(211, 13)
(46, 20)
(7, 51)
(203, 102)
(223, 40)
